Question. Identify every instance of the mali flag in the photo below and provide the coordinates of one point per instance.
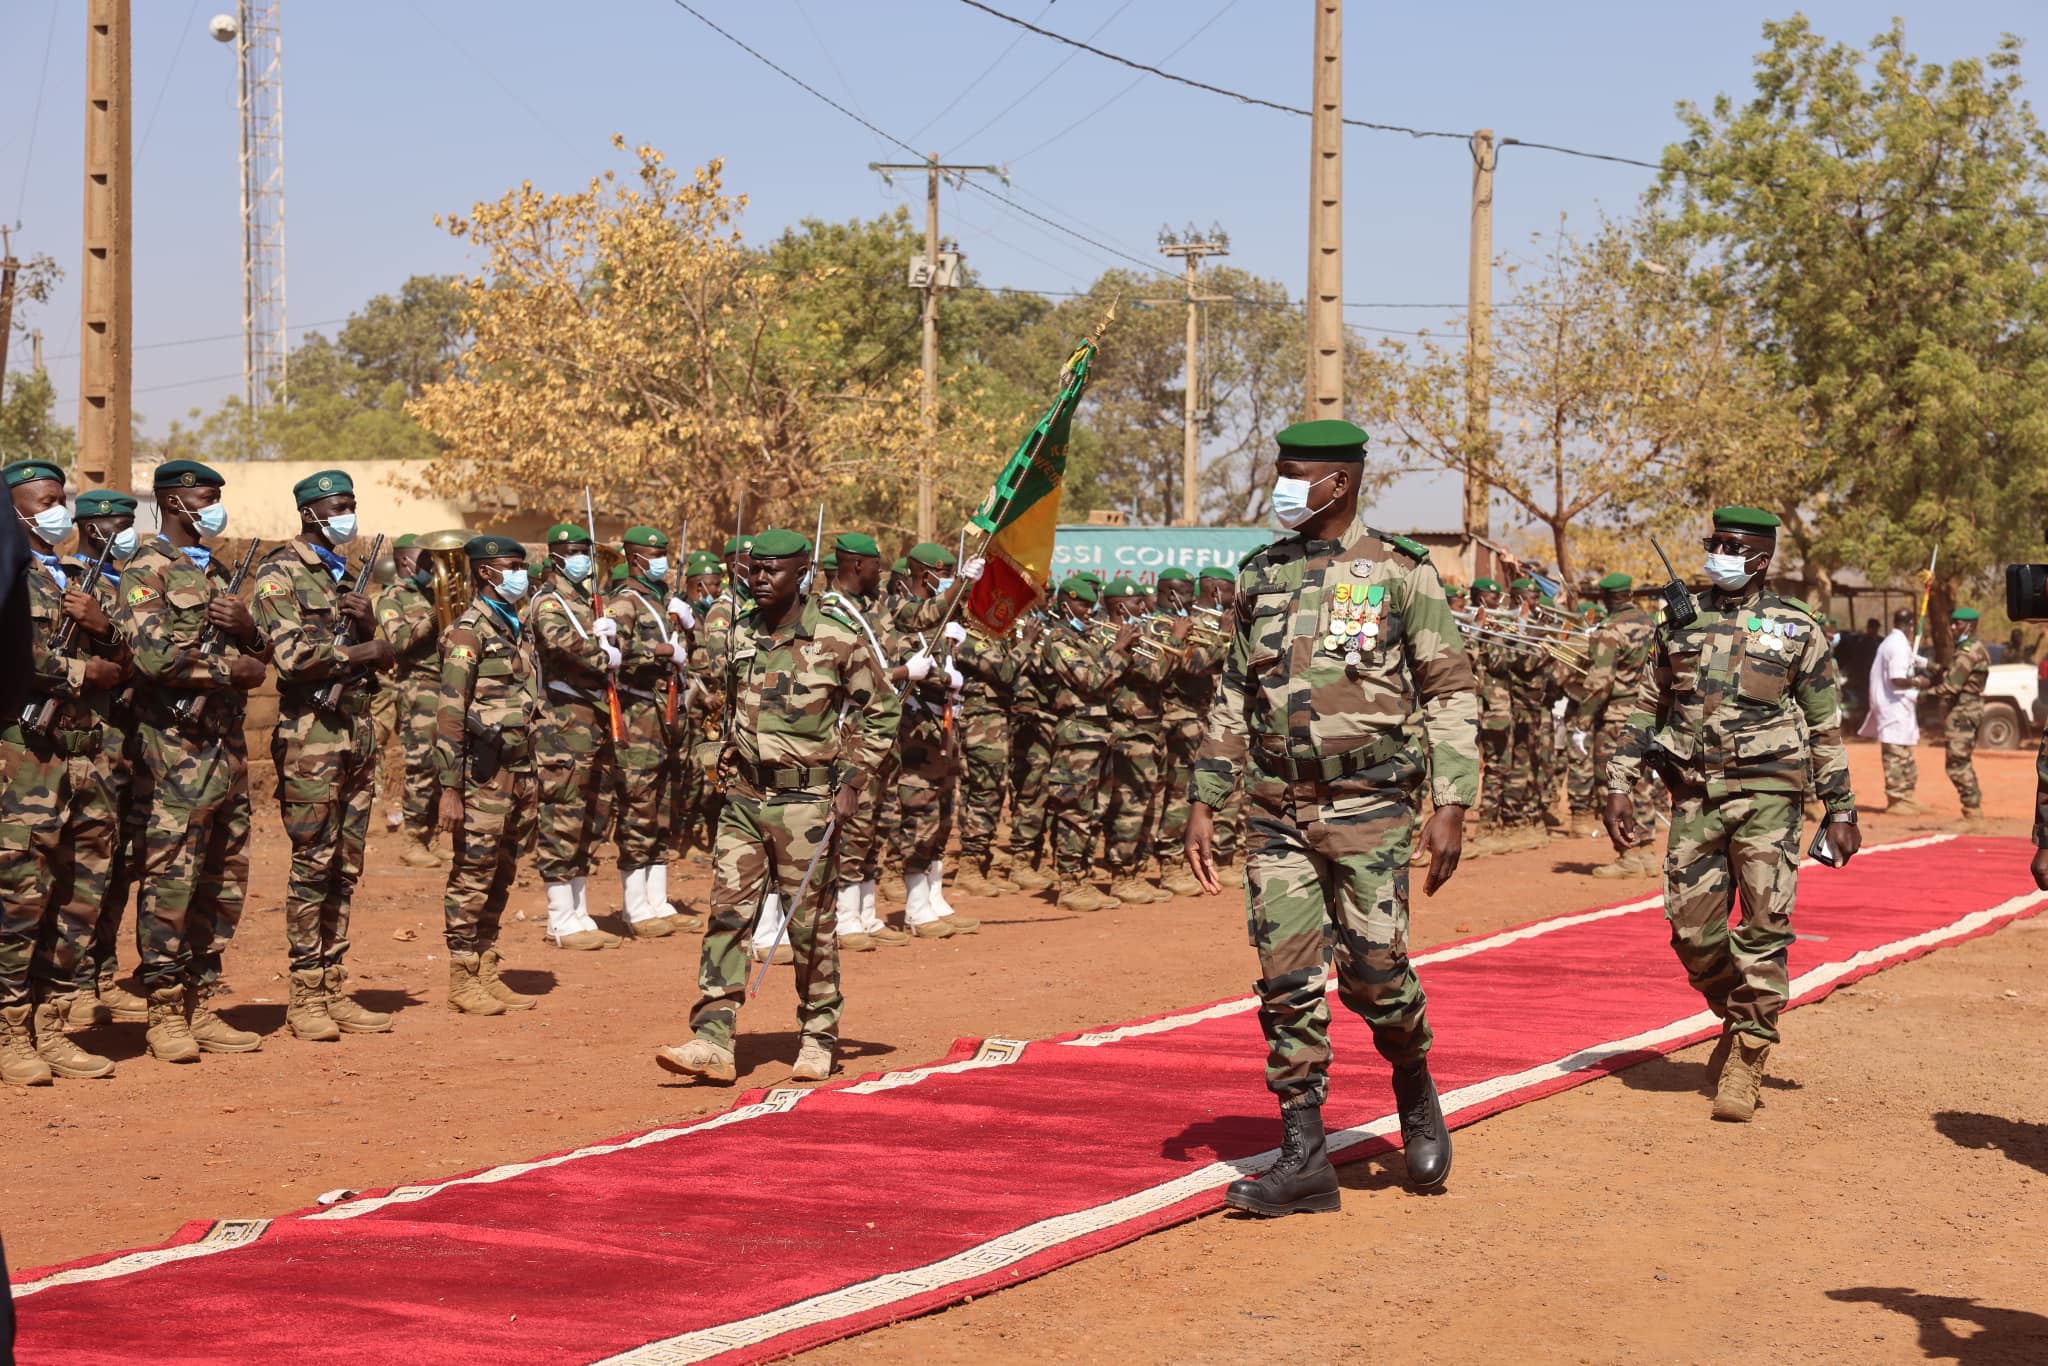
(1023, 509)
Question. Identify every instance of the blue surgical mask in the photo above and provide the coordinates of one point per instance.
(340, 528)
(657, 569)
(1290, 501)
(703, 604)
(512, 584)
(1728, 571)
(125, 544)
(1077, 623)
(577, 567)
(53, 523)
(942, 586)
(209, 521)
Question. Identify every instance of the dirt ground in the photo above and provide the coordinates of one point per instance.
(1889, 1204)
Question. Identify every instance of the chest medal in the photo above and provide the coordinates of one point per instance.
(1355, 619)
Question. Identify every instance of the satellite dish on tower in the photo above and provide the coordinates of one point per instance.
(224, 28)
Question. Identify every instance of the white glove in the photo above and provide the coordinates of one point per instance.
(604, 628)
(609, 651)
(919, 666)
(971, 571)
(954, 682)
(680, 610)
(955, 632)
(679, 651)
(1579, 741)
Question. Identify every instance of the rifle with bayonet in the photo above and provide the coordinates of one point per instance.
(38, 714)
(330, 696)
(212, 640)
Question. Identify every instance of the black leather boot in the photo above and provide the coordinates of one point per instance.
(1301, 1182)
(1425, 1138)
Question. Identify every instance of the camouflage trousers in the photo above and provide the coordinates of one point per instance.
(1030, 780)
(1079, 760)
(195, 854)
(1901, 772)
(56, 841)
(1606, 739)
(640, 785)
(922, 794)
(1332, 889)
(1960, 734)
(497, 821)
(765, 842)
(1494, 744)
(984, 772)
(416, 708)
(1184, 737)
(326, 787)
(1525, 770)
(1131, 797)
(859, 841)
(1581, 783)
(573, 768)
(132, 806)
(692, 813)
(387, 712)
(1743, 846)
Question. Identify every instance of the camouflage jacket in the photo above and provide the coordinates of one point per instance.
(63, 676)
(1969, 669)
(1191, 686)
(1082, 669)
(1139, 697)
(405, 617)
(989, 667)
(812, 706)
(1496, 706)
(914, 624)
(572, 668)
(487, 668)
(1530, 685)
(121, 709)
(646, 667)
(1031, 690)
(1742, 700)
(297, 606)
(163, 610)
(1621, 648)
(713, 644)
(1325, 640)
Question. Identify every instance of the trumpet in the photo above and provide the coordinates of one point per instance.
(1208, 630)
(1569, 648)
(1154, 643)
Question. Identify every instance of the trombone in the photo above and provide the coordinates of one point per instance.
(1571, 648)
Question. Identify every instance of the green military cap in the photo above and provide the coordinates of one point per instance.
(829, 561)
(1217, 571)
(28, 471)
(1519, 584)
(406, 542)
(902, 566)
(317, 486)
(1616, 583)
(1079, 587)
(1486, 585)
(644, 535)
(1963, 614)
(1091, 576)
(735, 544)
(492, 547)
(186, 474)
(105, 503)
(700, 562)
(776, 544)
(1175, 574)
(855, 543)
(567, 533)
(619, 572)
(1454, 590)
(1327, 438)
(932, 555)
(1122, 588)
(1745, 519)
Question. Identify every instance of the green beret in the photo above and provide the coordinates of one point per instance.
(105, 503)
(700, 562)
(1745, 519)
(314, 487)
(1217, 571)
(855, 543)
(644, 535)
(738, 545)
(489, 547)
(1519, 584)
(829, 562)
(1486, 585)
(1616, 583)
(185, 474)
(1327, 438)
(1079, 587)
(932, 555)
(1091, 576)
(1963, 614)
(902, 566)
(1121, 588)
(28, 471)
(1454, 590)
(776, 544)
(619, 572)
(406, 542)
(1175, 574)
(567, 533)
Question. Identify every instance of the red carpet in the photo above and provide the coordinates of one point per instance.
(741, 1237)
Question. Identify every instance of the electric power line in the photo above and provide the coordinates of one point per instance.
(1038, 84)
(35, 119)
(986, 71)
(1135, 81)
(156, 108)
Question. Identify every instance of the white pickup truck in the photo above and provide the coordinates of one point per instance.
(2013, 705)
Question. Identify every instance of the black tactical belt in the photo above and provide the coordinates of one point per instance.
(795, 777)
(1272, 758)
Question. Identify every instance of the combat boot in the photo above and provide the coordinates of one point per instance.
(1717, 1061)
(487, 975)
(893, 886)
(125, 1006)
(1076, 895)
(996, 872)
(210, 1031)
(413, 852)
(698, 1058)
(20, 1063)
(1639, 861)
(1230, 872)
(1136, 891)
(1904, 806)
(349, 1017)
(1973, 821)
(969, 881)
(307, 1015)
(170, 1033)
(65, 1058)
(1302, 1181)
(1425, 1138)
(1177, 879)
(466, 993)
(813, 1062)
(1028, 879)
(1735, 1099)
(1584, 826)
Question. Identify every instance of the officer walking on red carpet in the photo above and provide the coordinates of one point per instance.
(1332, 626)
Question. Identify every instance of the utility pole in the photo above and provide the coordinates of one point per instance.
(1191, 254)
(1325, 390)
(1479, 349)
(107, 310)
(260, 101)
(931, 279)
(8, 267)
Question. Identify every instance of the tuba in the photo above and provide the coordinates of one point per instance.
(442, 553)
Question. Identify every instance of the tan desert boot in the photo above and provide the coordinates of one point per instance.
(466, 993)
(698, 1058)
(1735, 1099)
(65, 1058)
(487, 974)
(210, 1031)
(20, 1064)
(170, 1034)
(306, 1016)
(349, 1017)
(813, 1062)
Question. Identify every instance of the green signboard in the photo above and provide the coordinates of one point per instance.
(1140, 552)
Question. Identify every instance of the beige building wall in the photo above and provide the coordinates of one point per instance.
(390, 498)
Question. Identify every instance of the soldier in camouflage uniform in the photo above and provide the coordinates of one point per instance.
(1739, 711)
(324, 747)
(194, 761)
(1216, 589)
(813, 716)
(923, 635)
(1340, 631)
(487, 713)
(405, 618)
(982, 723)
(1190, 687)
(694, 819)
(1137, 708)
(1085, 661)
(653, 655)
(1604, 698)
(573, 754)
(105, 515)
(1969, 668)
(1526, 768)
(57, 839)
